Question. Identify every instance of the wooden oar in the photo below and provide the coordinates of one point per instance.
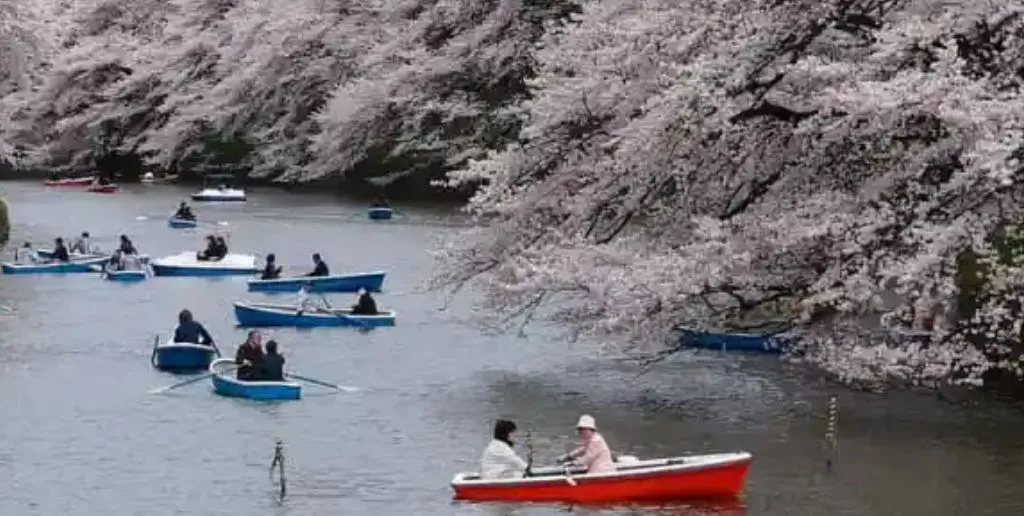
(187, 382)
(156, 342)
(346, 388)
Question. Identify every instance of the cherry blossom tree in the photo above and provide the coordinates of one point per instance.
(700, 161)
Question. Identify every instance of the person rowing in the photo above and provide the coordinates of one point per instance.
(365, 305)
(306, 303)
(249, 357)
(184, 212)
(190, 331)
(81, 244)
(273, 364)
(271, 270)
(593, 453)
(319, 267)
(60, 253)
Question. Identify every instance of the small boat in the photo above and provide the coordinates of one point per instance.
(732, 341)
(267, 315)
(695, 477)
(372, 281)
(46, 254)
(135, 275)
(74, 266)
(148, 178)
(186, 264)
(177, 223)
(380, 213)
(75, 181)
(227, 385)
(219, 194)
(111, 188)
(183, 356)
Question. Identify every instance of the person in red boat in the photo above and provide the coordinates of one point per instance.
(499, 460)
(593, 453)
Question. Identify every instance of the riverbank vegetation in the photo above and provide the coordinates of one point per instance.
(857, 160)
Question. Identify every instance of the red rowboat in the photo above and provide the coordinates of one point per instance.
(76, 181)
(103, 189)
(719, 475)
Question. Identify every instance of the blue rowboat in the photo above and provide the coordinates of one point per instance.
(225, 384)
(266, 315)
(182, 357)
(177, 223)
(74, 266)
(372, 281)
(135, 275)
(380, 213)
(47, 254)
(186, 264)
(726, 341)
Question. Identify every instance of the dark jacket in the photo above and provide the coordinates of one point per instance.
(254, 356)
(191, 331)
(60, 253)
(127, 247)
(185, 213)
(365, 306)
(320, 270)
(271, 271)
(273, 368)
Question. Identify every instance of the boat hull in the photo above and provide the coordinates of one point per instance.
(185, 264)
(78, 181)
(707, 477)
(183, 357)
(76, 266)
(262, 315)
(217, 195)
(181, 223)
(103, 189)
(371, 281)
(762, 343)
(380, 213)
(231, 387)
(125, 276)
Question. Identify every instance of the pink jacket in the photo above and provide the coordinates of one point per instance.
(595, 455)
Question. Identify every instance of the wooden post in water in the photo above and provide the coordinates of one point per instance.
(831, 443)
(279, 463)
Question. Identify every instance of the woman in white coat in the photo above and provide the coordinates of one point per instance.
(499, 460)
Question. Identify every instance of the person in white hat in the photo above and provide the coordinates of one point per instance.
(365, 305)
(593, 452)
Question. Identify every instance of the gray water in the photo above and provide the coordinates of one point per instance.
(81, 435)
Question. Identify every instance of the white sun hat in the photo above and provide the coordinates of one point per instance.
(587, 421)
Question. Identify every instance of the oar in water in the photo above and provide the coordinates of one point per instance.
(187, 382)
(156, 342)
(346, 388)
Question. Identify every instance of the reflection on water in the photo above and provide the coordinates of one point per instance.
(81, 436)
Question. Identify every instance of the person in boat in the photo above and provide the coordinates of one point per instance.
(26, 254)
(365, 305)
(271, 269)
(319, 267)
(184, 212)
(593, 452)
(60, 253)
(127, 247)
(81, 244)
(273, 364)
(499, 459)
(380, 202)
(305, 303)
(190, 331)
(210, 251)
(131, 262)
(116, 261)
(220, 248)
(249, 357)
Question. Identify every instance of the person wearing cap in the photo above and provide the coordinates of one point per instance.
(365, 305)
(593, 453)
(499, 460)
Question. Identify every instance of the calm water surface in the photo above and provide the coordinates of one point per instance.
(80, 435)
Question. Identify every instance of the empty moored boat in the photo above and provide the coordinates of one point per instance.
(773, 342)
(74, 181)
(380, 213)
(186, 264)
(220, 194)
(74, 266)
(371, 281)
(268, 315)
(183, 356)
(225, 384)
(177, 223)
(674, 479)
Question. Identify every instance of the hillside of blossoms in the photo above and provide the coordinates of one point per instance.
(845, 166)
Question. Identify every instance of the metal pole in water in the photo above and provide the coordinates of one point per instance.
(279, 463)
(831, 431)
